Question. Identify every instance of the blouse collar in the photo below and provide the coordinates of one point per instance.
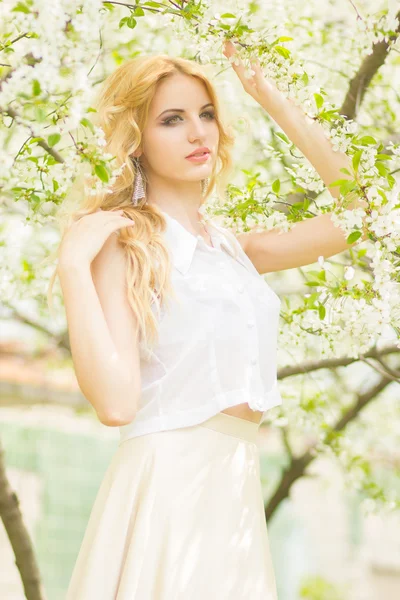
(183, 243)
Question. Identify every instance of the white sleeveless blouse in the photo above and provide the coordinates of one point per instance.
(217, 344)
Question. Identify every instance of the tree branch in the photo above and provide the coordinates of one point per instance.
(14, 115)
(62, 340)
(360, 82)
(383, 370)
(297, 465)
(19, 537)
(21, 394)
(330, 363)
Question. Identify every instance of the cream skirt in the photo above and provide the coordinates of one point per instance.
(179, 515)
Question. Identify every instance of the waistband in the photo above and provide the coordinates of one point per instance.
(235, 426)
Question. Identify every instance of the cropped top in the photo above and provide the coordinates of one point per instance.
(217, 344)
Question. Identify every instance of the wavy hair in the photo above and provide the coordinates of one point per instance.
(122, 108)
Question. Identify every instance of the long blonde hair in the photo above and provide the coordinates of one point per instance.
(121, 111)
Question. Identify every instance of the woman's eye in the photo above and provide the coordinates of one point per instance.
(171, 119)
(168, 121)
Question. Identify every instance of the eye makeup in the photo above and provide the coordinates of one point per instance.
(211, 116)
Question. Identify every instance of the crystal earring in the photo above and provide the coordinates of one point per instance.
(204, 185)
(138, 187)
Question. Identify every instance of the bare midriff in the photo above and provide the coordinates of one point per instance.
(243, 411)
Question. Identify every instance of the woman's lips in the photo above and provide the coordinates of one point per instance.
(198, 158)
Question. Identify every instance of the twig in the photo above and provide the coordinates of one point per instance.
(359, 17)
(330, 363)
(14, 115)
(383, 371)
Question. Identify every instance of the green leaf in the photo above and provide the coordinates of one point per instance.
(338, 182)
(40, 114)
(139, 12)
(347, 187)
(383, 196)
(285, 38)
(297, 205)
(228, 16)
(327, 115)
(282, 51)
(53, 139)
(382, 169)
(319, 101)
(367, 139)
(313, 283)
(391, 181)
(131, 22)
(353, 237)
(313, 273)
(21, 7)
(102, 173)
(123, 21)
(87, 123)
(321, 311)
(276, 186)
(36, 88)
(55, 185)
(35, 139)
(283, 137)
(356, 159)
(344, 170)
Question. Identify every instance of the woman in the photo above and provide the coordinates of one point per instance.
(173, 336)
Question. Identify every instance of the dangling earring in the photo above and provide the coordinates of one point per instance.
(204, 185)
(138, 187)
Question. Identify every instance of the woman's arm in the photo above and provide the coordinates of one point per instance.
(102, 331)
(274, 250)
(309, 137)
(305, 133)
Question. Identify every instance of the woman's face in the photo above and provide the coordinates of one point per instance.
(170, 135)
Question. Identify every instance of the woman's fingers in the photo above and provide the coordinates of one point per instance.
(252, 84)
(230, 50)
(237, 64)
(118, 221)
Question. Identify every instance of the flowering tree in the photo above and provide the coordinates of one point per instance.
(342, 70)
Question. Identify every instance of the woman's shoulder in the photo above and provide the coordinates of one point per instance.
(238, 240)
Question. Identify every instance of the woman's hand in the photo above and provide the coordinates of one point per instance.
(257, 85)
(85, 238)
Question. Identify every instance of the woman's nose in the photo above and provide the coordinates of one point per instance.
(196, 129)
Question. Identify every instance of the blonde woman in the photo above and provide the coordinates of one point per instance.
(173, 334)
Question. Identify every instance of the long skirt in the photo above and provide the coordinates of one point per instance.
(179, 515)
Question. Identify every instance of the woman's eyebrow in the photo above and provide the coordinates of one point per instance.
(181, 110)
